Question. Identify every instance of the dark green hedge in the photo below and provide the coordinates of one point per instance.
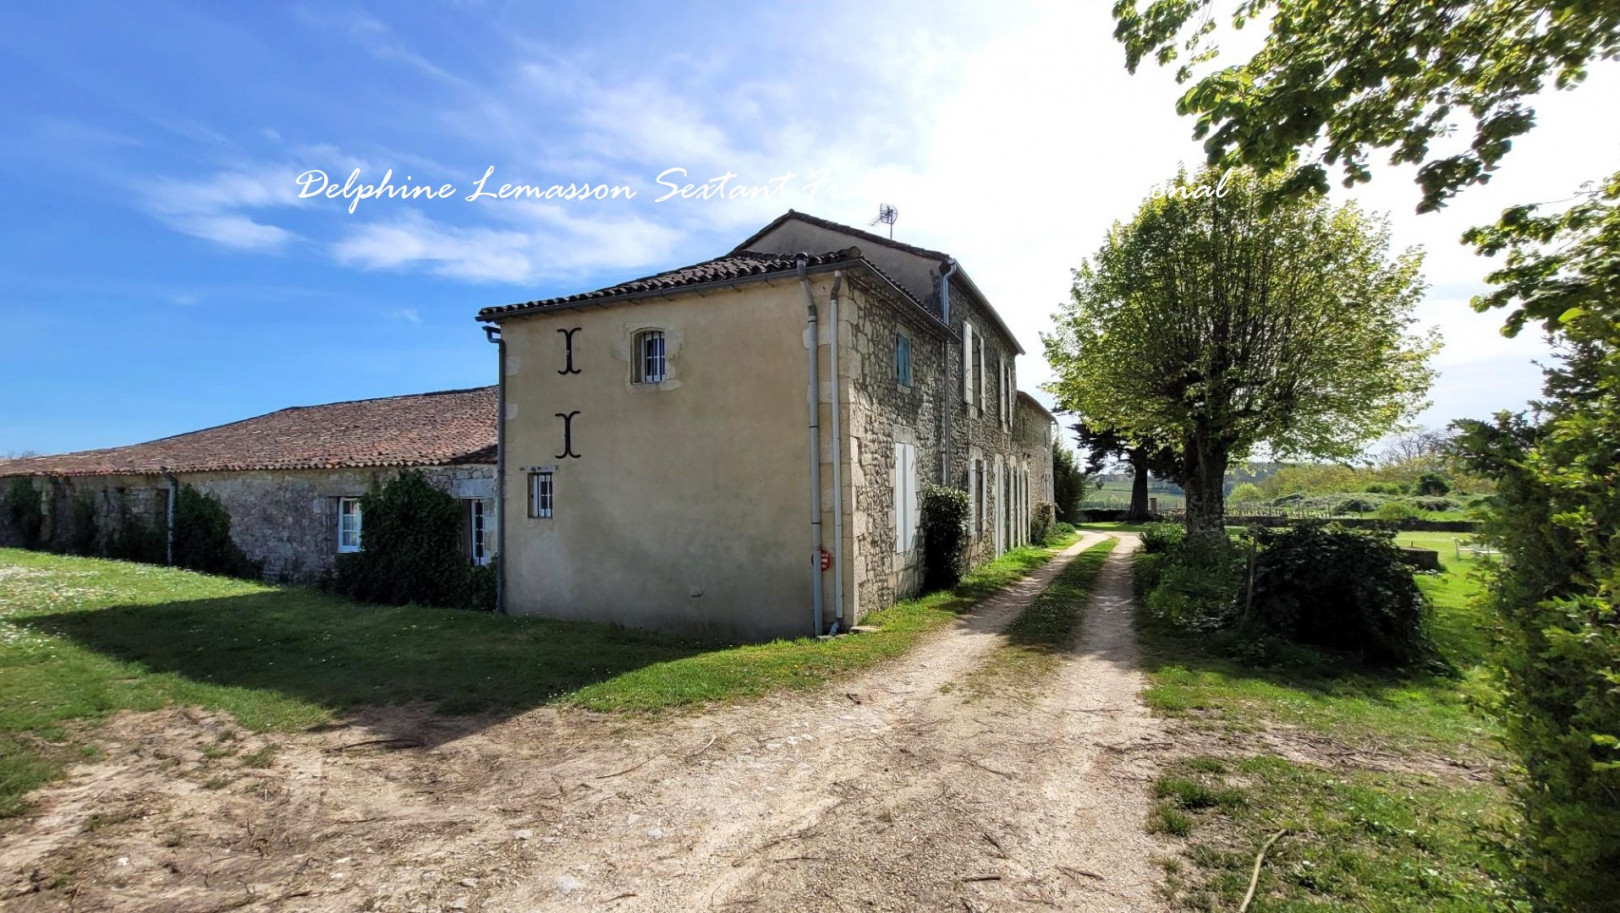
(944, 536)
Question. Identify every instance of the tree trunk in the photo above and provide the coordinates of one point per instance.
(1139, 486)
(1205, 487)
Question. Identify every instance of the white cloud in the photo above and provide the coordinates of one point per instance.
(552, 245)
(213, 208)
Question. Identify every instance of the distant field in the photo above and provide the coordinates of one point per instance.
(1118, 494)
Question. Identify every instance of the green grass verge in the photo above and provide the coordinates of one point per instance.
(1354, 840)
(82, 638)
(1358, 839)
(1037, 638)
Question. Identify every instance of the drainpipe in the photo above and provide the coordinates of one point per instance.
(493, 334)
(174, 495)
(812, 393)
(946, 410)
(838, 462)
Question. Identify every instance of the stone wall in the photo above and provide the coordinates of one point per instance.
(1033, 430)
(286, 519)
(948, 433)
(878, 413)
(978, 432)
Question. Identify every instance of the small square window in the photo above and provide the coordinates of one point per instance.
(902, 360)
(540, 494)
(651, 363)
(349, 524)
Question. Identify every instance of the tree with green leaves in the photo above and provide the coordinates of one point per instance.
(1068, 484)
(1145, 456)
(1219, 323)
(1556, 523)
(1336, 81)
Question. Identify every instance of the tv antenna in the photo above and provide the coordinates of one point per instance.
(887, 215)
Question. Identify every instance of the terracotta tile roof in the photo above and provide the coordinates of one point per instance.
(741, 264)
(424, 429)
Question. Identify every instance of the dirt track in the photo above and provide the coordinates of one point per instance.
(899, 790)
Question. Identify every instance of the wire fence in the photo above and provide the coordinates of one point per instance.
(1235, 510)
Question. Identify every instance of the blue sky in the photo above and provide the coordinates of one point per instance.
(159, 272)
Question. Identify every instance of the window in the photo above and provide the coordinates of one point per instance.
(348, 524)
(967, 363)
(475, 532)
(651, 364)
(540, 494)
(906, 508)
(1005, 402)
(978, 372)
(978, 496)
(902, 360)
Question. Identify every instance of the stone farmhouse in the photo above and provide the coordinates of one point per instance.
(291, 480)
(737, 447)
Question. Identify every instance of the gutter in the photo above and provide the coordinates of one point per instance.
(812, 395)
(493, 334)
(838, 462)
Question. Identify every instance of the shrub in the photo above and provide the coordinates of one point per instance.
(411, 549)
(1245, 493)
(480, 593)
(1197, 586)
(1382, 488)
(1435, 504)
(944, 536)
(1041, 522)
(1288, 500)
(24, 512)
(83, 539)
(202, 537)
(1146, 573)
(1355, 505)
(1433, 484)
(1338, 588)
(132, 540)
(1162, 537)
(1396, 512)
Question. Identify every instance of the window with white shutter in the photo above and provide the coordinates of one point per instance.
(906, 506)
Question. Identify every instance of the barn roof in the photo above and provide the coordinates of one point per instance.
(423, 429)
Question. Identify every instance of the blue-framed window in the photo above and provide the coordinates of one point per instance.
(902, 360)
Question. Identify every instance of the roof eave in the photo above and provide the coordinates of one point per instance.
(988, 307)
(857, 262)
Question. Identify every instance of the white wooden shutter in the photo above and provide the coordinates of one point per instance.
(914, 496)
(899, 498)
(907, 503)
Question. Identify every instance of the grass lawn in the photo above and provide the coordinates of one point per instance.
(1357, 838)
(81, 638)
